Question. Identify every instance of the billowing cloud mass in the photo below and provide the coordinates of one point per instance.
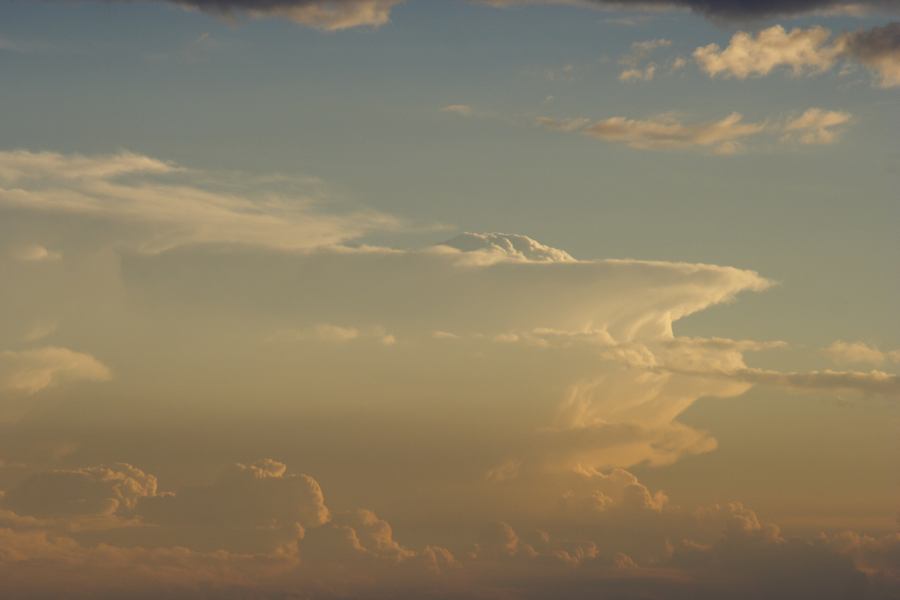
(613, 535)
(462, 420)
(804, 52)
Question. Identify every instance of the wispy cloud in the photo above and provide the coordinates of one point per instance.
(174, 205)
(724, 136)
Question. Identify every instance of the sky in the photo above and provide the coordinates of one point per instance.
(489, 299)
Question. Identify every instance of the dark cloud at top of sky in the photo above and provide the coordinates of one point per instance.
(875, 43)
(343, 14)
(744, 9)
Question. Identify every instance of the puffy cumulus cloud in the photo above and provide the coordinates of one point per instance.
(30, 371)
(801, 50)
(629, 540)
(85, 492)
(879, 50)
(841, 352)
(353, 536)
(259, 505)
(804, 52)
(132, 189)
(664, 132)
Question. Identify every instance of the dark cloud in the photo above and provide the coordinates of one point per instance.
(743, 9)
(879, 50)
(343, 14)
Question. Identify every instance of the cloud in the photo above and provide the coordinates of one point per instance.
(336, 15)
(248, 507)
(35, 253)
(879, 50)
(513, 246)
(40, 330)
(805, 52)
(640, 51)
(556, 313)
(329, 15)
(463, 110)
(841, 352)
(608, 534)
(337, 334)
(816, 126)
(870, 383)
(86, 492)
(30, 371)
(802, 50)
(664, 132)
(721, 9)
(725, 136)
(131, 189)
